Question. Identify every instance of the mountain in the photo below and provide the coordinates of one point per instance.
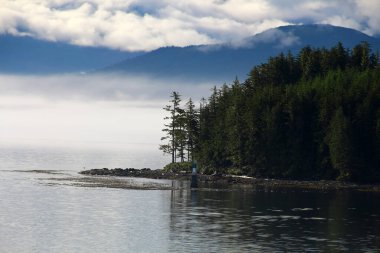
(225, 62)
(26, 55)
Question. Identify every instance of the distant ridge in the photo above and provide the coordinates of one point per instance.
(26, 55)
(222, 63)
(225, 62)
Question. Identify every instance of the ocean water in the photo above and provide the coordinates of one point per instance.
(44, 209)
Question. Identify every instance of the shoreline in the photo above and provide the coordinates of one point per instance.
(226, 181)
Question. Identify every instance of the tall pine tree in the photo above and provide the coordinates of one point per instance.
(171, 128)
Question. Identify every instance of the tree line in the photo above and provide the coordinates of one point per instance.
(315, 115)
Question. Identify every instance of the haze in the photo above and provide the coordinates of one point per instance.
(87, 111)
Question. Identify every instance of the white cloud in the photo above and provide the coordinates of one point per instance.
(370, 10)
(343, 21)
(149, 24)
(282, 39)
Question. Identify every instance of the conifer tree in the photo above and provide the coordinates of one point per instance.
(180, 133)
(192, 128)
(340, 145)
(171, 127)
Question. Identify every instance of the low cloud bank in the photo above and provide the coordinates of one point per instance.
(101, 87)
(92, 111)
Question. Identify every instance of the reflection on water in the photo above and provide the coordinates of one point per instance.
(37, 217)
(293, 221)
(46, 211)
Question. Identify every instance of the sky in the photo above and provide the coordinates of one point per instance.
(144, 25)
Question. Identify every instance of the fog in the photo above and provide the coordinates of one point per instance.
(92, 111)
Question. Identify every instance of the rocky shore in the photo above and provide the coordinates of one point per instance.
(225, 181)
(132, 172)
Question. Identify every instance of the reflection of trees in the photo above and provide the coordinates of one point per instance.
(352, 219)
(207, 220)
(211, 220)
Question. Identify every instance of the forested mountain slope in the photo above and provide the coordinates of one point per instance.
(314, 115)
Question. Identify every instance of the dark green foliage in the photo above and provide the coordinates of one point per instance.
(191, 128)
(340, 145)
(313, 116)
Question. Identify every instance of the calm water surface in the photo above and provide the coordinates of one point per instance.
(41, 214)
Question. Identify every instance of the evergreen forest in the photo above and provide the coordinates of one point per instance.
(310, 116)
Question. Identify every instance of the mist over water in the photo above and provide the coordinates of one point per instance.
(87, 110)
(72, 122)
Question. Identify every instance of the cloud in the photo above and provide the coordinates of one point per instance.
(145, 25)
(281, 38)
(369, 10)
(345, 22)
(128, 89)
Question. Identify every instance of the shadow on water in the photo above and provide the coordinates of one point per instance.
(274, 221)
